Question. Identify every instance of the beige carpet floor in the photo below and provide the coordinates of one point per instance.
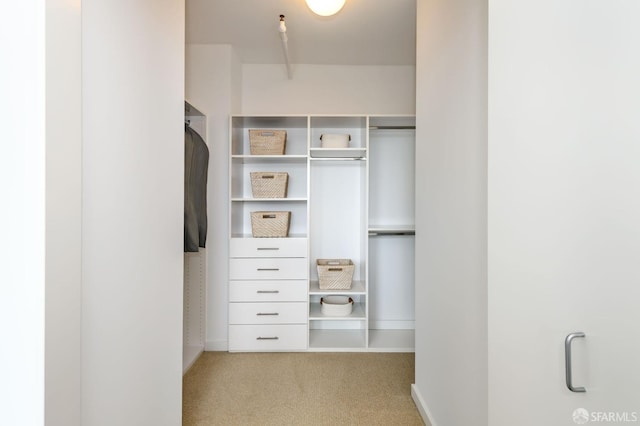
(300, 389)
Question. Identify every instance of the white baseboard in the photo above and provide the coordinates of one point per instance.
(216, 346)
(422, 406)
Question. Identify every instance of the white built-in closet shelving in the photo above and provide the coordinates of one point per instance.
(391, 233)
(195, 274)
(353, 203)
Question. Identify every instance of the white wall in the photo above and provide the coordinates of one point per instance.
(63, 221)
(213, 86)
(133, 174)
(22, 217)
(328, 89)
(451, 212)
(236, 83)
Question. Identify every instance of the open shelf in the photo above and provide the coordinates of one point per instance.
(392, 122)
(357, 287)
(315, 314)
(276, 200)
(268, 158)
(249, 235)
(296, 138)
(392, 340)
(392, 229)
(335, 153)
(241, 214)
(337, 340)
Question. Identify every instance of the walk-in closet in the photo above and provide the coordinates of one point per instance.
(350, 203)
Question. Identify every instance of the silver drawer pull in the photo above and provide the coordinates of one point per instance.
(268, 269)
(267, 338)
(268, 248)
(263, 314)
(268, 291)
(567, 359)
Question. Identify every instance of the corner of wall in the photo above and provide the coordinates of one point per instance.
(451, 150)
(422, 406)
(216, 346)
(236, 82)
(63, 240)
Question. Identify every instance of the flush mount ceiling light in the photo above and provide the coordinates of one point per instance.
(325, 7)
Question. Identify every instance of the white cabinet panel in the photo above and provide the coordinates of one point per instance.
(268, 313)
(268, 269)
(265, 338)
(268, 291)
(268, 247)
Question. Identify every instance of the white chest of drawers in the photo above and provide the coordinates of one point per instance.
(268, 308)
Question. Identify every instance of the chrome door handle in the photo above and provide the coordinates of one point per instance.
(567, 361)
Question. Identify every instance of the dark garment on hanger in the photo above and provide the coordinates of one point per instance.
(196, 164)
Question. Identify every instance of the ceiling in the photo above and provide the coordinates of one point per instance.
(364, 32)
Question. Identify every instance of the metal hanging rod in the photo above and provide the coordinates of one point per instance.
(338, 158)
(392, 233)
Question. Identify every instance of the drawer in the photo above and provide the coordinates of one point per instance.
(268, 247)
(268, 313)
(266, 338)
(268, 291)
(268, 269)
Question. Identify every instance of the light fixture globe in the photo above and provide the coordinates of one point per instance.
(325, 7)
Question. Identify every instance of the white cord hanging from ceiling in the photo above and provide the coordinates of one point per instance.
(285, 45)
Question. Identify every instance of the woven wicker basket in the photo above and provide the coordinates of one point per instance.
(336, 306)
(267, 142)
(270, 224)
(269, 184)
(335, 274)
